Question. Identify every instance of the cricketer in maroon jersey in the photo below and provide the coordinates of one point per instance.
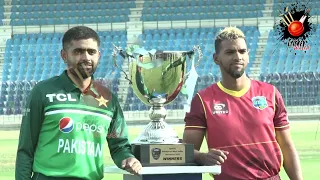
(252, 115)
(244, 121)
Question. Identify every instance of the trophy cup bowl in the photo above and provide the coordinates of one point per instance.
(156, 78)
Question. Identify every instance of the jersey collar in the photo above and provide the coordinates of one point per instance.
(234, 93)
(68, 84)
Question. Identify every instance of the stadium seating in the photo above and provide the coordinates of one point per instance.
(13, 96)
(37, 56)
(185, 39)
(34, 57)
(278, 58)
(297, 89)
(293, 72)
(50, 12)
(30, 58)
(313, 5)
(202, 9)
(1, 12)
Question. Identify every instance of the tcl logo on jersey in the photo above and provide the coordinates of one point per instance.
(60, 97)
(67, 125)
(220, 108)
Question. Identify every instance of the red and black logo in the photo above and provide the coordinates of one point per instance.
(295, 27)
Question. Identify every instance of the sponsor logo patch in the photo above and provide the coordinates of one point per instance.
(220, 108)
(66, 125)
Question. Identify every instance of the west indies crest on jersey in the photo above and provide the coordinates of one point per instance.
(259, 102)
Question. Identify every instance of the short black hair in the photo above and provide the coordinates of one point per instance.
(79, 33)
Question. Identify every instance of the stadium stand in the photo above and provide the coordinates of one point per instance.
(37, 56)
(33, 56)
(281, 60)
(202, 9)
(48, 12)
(294, 73)
(1, 12)
(314, 5)
(185, 39)
(298, 89)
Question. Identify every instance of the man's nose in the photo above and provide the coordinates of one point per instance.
(238, 56)
(85, 56)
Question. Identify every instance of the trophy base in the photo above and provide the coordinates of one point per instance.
(164, 154)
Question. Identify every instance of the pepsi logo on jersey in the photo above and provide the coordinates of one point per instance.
(66, 125)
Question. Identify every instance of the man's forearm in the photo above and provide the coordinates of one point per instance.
(23, 168)
(120, 149)
(25, 152)
(29, 134)
(292, 164)
(121, 155)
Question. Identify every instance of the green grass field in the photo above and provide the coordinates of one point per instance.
(303, 134)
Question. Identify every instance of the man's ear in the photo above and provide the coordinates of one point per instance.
(99, 54)
(64, 55)
(216, 59)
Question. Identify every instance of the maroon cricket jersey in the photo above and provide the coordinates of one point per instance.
(243, 123)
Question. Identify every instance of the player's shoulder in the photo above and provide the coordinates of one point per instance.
(260, 84)
(208, 90)
(102, 88)
(44, 84)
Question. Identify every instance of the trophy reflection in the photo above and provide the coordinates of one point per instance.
(156, 78)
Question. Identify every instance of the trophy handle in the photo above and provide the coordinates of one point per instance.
(190, 54)
(198, 49)
(118, 50)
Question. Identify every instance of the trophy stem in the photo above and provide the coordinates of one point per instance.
(157, 112)
(157, 131)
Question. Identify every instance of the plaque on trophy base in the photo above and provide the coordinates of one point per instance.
(164, 154)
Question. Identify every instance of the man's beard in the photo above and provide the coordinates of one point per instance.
(80, 69)
(234, 73)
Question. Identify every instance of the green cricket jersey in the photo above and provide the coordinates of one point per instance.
(64, 131)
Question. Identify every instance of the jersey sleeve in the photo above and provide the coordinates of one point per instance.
(29, 133)
(280, 119)
(117, 137)
(196, 118)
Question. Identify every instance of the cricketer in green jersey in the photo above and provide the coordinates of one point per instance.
(69, 118)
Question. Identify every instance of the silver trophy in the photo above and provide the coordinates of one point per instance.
(156, 78)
